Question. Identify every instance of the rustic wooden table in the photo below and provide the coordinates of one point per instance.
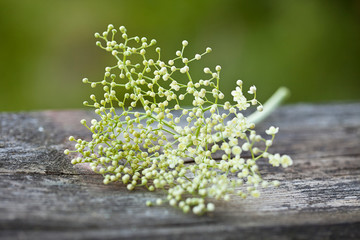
(42, 196)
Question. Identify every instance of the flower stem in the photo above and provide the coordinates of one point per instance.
(270, 105)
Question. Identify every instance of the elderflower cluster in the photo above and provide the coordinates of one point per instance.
(137, 139)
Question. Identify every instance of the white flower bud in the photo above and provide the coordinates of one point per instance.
(207, 70)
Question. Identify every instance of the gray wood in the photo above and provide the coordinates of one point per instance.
(43, 196)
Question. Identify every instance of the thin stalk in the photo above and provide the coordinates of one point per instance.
(271, 104)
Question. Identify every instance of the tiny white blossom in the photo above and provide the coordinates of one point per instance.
(236, 150)
(252, 90)
(240, 99)
(275, 160)
(286, 161)
(184, 69)
(210, 207)
(272, 130)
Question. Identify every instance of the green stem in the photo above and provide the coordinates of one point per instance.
(271, 104)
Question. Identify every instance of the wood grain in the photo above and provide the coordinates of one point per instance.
(43, 196)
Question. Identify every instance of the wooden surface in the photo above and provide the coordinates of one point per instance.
(42, 196)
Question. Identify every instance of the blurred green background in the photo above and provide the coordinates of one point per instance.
(312, 47)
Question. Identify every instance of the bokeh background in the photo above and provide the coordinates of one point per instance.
(312, 47)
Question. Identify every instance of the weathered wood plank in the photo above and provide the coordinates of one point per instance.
(43, 196)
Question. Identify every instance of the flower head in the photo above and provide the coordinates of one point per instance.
(141, 144)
